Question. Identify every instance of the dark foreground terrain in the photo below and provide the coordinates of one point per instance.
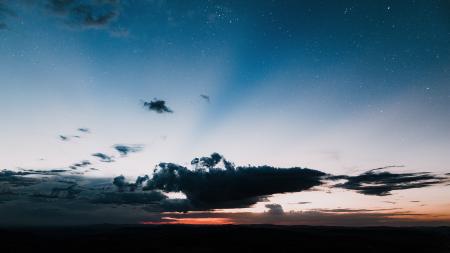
(227, 238)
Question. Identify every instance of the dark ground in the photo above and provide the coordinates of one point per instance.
(227, 238)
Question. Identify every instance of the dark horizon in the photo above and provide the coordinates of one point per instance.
(226, 238)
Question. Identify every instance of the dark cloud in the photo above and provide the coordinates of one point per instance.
(125, 149)
(84, 130)
(158, 106)
(129, 198)
(5, 12)
(381, 183)
(81, 164)
(205, 97)
(57, 195)
(103, 157)
(231, 187)
(176, 205)
(85, 14)
(211, 161)
(63, 138)
(123, 185)
(213, 183)
(69, 192)
(59, 6)
(17, 178)
(275, 209)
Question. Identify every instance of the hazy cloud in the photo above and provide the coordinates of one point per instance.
(5, 12)
(275, 209)
(85, 14)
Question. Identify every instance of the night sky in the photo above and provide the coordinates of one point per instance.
(113, 111)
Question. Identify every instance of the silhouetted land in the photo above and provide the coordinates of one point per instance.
(226, 238)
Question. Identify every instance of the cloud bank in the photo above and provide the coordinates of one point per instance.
(212, 183)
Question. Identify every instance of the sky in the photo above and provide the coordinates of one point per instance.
(94, 95)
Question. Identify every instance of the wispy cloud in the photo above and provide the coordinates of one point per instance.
(85, 14)
(381, 183)
(104, 157)
(205, 97)
(126, 149)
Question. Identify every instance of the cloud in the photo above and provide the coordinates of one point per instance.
(125, 149)
(381, 183)
(211, 188)
(275, 209)
(129, 198)
(14, 178)
(81, 164)
(158, 106)
(177, 205)
(97, 14)
(63, 138)
(58, 195)
(211, 161)
(83, 14)
(205, 97)
(69, 192)
(59, 6)
(123, 185)
(84, 130)
(5, 12)
(103, 157)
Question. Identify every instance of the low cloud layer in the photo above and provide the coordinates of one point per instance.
(381, 183)
(212, 183)
(208, 187)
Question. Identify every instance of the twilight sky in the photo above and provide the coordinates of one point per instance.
(92, 90)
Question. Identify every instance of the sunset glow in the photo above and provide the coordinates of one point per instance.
(190, 221)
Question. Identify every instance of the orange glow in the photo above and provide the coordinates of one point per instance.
(191, 221)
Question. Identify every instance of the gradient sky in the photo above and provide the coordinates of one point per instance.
(338, 86)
